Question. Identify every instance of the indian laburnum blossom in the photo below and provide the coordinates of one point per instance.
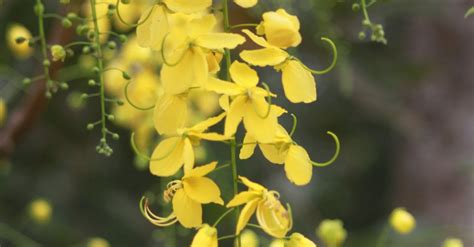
(175, 151)
(299, 84)
(248, 103)
(282, 150)
(187, 196)
(272, 216)
(280, 29)
(205, 237)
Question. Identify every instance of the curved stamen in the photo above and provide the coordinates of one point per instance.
(153, 218)
(136, 24)
(165, 61)
(137, 152)
(133, 104)
(172, 187)
(269, 101)
(334, 157)
(295, 122)
(333, 63)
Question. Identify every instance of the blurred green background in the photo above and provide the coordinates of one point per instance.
(404, 113)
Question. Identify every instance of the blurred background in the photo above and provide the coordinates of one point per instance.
(404, 113)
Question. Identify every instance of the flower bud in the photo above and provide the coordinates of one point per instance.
(298, 240)
(66, 23)
(248, 238)
(402, 221)
(97, 242)
(16, 37)
(355, 7)
(3, 111)
(58, 53)
(206, 236)
(40, 211)
(332, 232)
(26, 81)
(280, 28)
(453, 242)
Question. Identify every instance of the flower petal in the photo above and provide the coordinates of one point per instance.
(298, 167)
(216, 41)
(188, 155)
(252, 185)
(222, 87)
(201, 171)
(274, 220)
(272, 153)
(243, 75)
(169, 153)
(202, 190)
(262, 129)
(243, 197)
(298, 83)
(188, 7)
(204, 125)
(188, 211)
(245, 214)
(205, 237)
(211, 136)
(170, 113)
(248, 147)
(264, 57)
(147, 36)
(257, 39)
(246, 3)
(234, 115)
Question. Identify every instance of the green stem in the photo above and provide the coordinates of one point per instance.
(15, 237)
(244, 25)
(42, 36)
(383, 236)
(364, 10)
(100, 65)
(222, 217)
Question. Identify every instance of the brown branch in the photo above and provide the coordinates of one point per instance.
(34, 102)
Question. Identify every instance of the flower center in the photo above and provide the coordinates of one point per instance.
(271, 199)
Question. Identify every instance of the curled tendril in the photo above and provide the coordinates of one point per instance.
(135, 149)
(295, 122)
(128, 24)
(131, 103)
(334, 157)
(333, 63)
(163, 53)
(269, 99)
(153, 218)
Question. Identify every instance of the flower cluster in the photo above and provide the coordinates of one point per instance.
(195, 53)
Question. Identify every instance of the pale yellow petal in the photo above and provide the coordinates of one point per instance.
(147, 34)
(212, 136)
(216, 41)
(187, 211)
(270, 56)
(201, 171)
(252, 185)
(246, 3)
(243, 197)
(243, 75)
(224, 102)
(205, 237)
(299, 84)
(186, 6)
(248, 147)
(234, 115)
(170, 113)
(298, 240)
(272, 153)
(262, 129)
(179, 78)
(257, 39)
(298, 167)
(204, 125)
(247, 211)
(202, 190)
(188, 155)
(222, 87)
(167, 158)
(274, 220)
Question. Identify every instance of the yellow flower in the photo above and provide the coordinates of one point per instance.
(40, 211)
(17, 40)
(248, 103)
(402, 221)
(299, 84)
(246, 3)
(280, 29)
(170, 113)
(453, 242)
(3, 111)
(187, 46)
(205, 237)
(155, 25)
(58, 53)
(170, 155)
(187, 196)
(271, 215)
(98, 242)
(283, 150)
(248, 238)
(332, 232)
(298, 240)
